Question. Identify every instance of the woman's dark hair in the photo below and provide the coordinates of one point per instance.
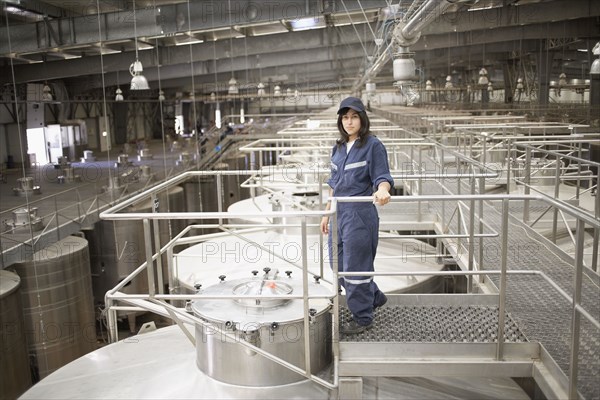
(363, 133)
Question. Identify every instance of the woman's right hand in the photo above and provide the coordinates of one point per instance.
(325, 225)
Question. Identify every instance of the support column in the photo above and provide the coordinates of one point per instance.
(544, 66)
(350, 388)
(595, 80)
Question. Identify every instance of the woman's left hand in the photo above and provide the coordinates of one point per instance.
(381, 196)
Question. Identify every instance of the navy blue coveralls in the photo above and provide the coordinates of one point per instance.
(358, 173)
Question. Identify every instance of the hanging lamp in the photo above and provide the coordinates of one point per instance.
(138, 80)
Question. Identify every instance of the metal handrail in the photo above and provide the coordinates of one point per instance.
(578, 309)
(114, 214)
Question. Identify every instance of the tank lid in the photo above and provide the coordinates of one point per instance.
(9, 282)
(252, 312)
(263, 287)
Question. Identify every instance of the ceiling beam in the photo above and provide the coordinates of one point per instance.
(257, 48)
(168, 20)
(513, 16)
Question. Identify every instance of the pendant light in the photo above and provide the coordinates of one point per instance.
(483, 76)
(118, 92)
(47, 93)
(138, 80)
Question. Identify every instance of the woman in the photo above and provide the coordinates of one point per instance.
(359, 167)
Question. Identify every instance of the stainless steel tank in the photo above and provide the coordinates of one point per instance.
(233, 190)
(273, 325)
(117, 248)
(58, 304)
(201, 196)
(15, 377)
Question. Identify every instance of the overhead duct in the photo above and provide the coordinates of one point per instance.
(406, 33)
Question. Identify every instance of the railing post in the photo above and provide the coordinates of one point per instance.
(156, 227)
(260, 166)
(56, 216)
(471, 232)
(78, 207)
(149, 262)
(596, 230)
(470, 144)
(220, 195)
(111, 321)
(459, 174)
(321, 248)
(508, 164)
(482, 191)
(577, 188)
(527, 183)
(556, 195)
(333, 257)
(576, 317)
(442, 165)
(420, 183)
(503, 263)
(305, 299)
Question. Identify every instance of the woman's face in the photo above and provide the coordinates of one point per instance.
(351, 123)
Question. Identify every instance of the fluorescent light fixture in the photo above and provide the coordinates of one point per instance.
(242, 117)
(191, 41)
(302, 24)
(10, 9)
(105, 51)
(486, 5)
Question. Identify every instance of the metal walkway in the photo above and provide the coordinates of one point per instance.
(535, 310)
(437, 324)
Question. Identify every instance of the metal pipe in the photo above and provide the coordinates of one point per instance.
(424, 15)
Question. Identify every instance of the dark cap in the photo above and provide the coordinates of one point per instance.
(352, 102)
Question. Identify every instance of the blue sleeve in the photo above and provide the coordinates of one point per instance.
(379, 167)
(334, 176)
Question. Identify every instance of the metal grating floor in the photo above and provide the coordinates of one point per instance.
(436, 324)
(539, 311)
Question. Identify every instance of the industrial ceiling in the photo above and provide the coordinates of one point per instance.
(197, 46)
